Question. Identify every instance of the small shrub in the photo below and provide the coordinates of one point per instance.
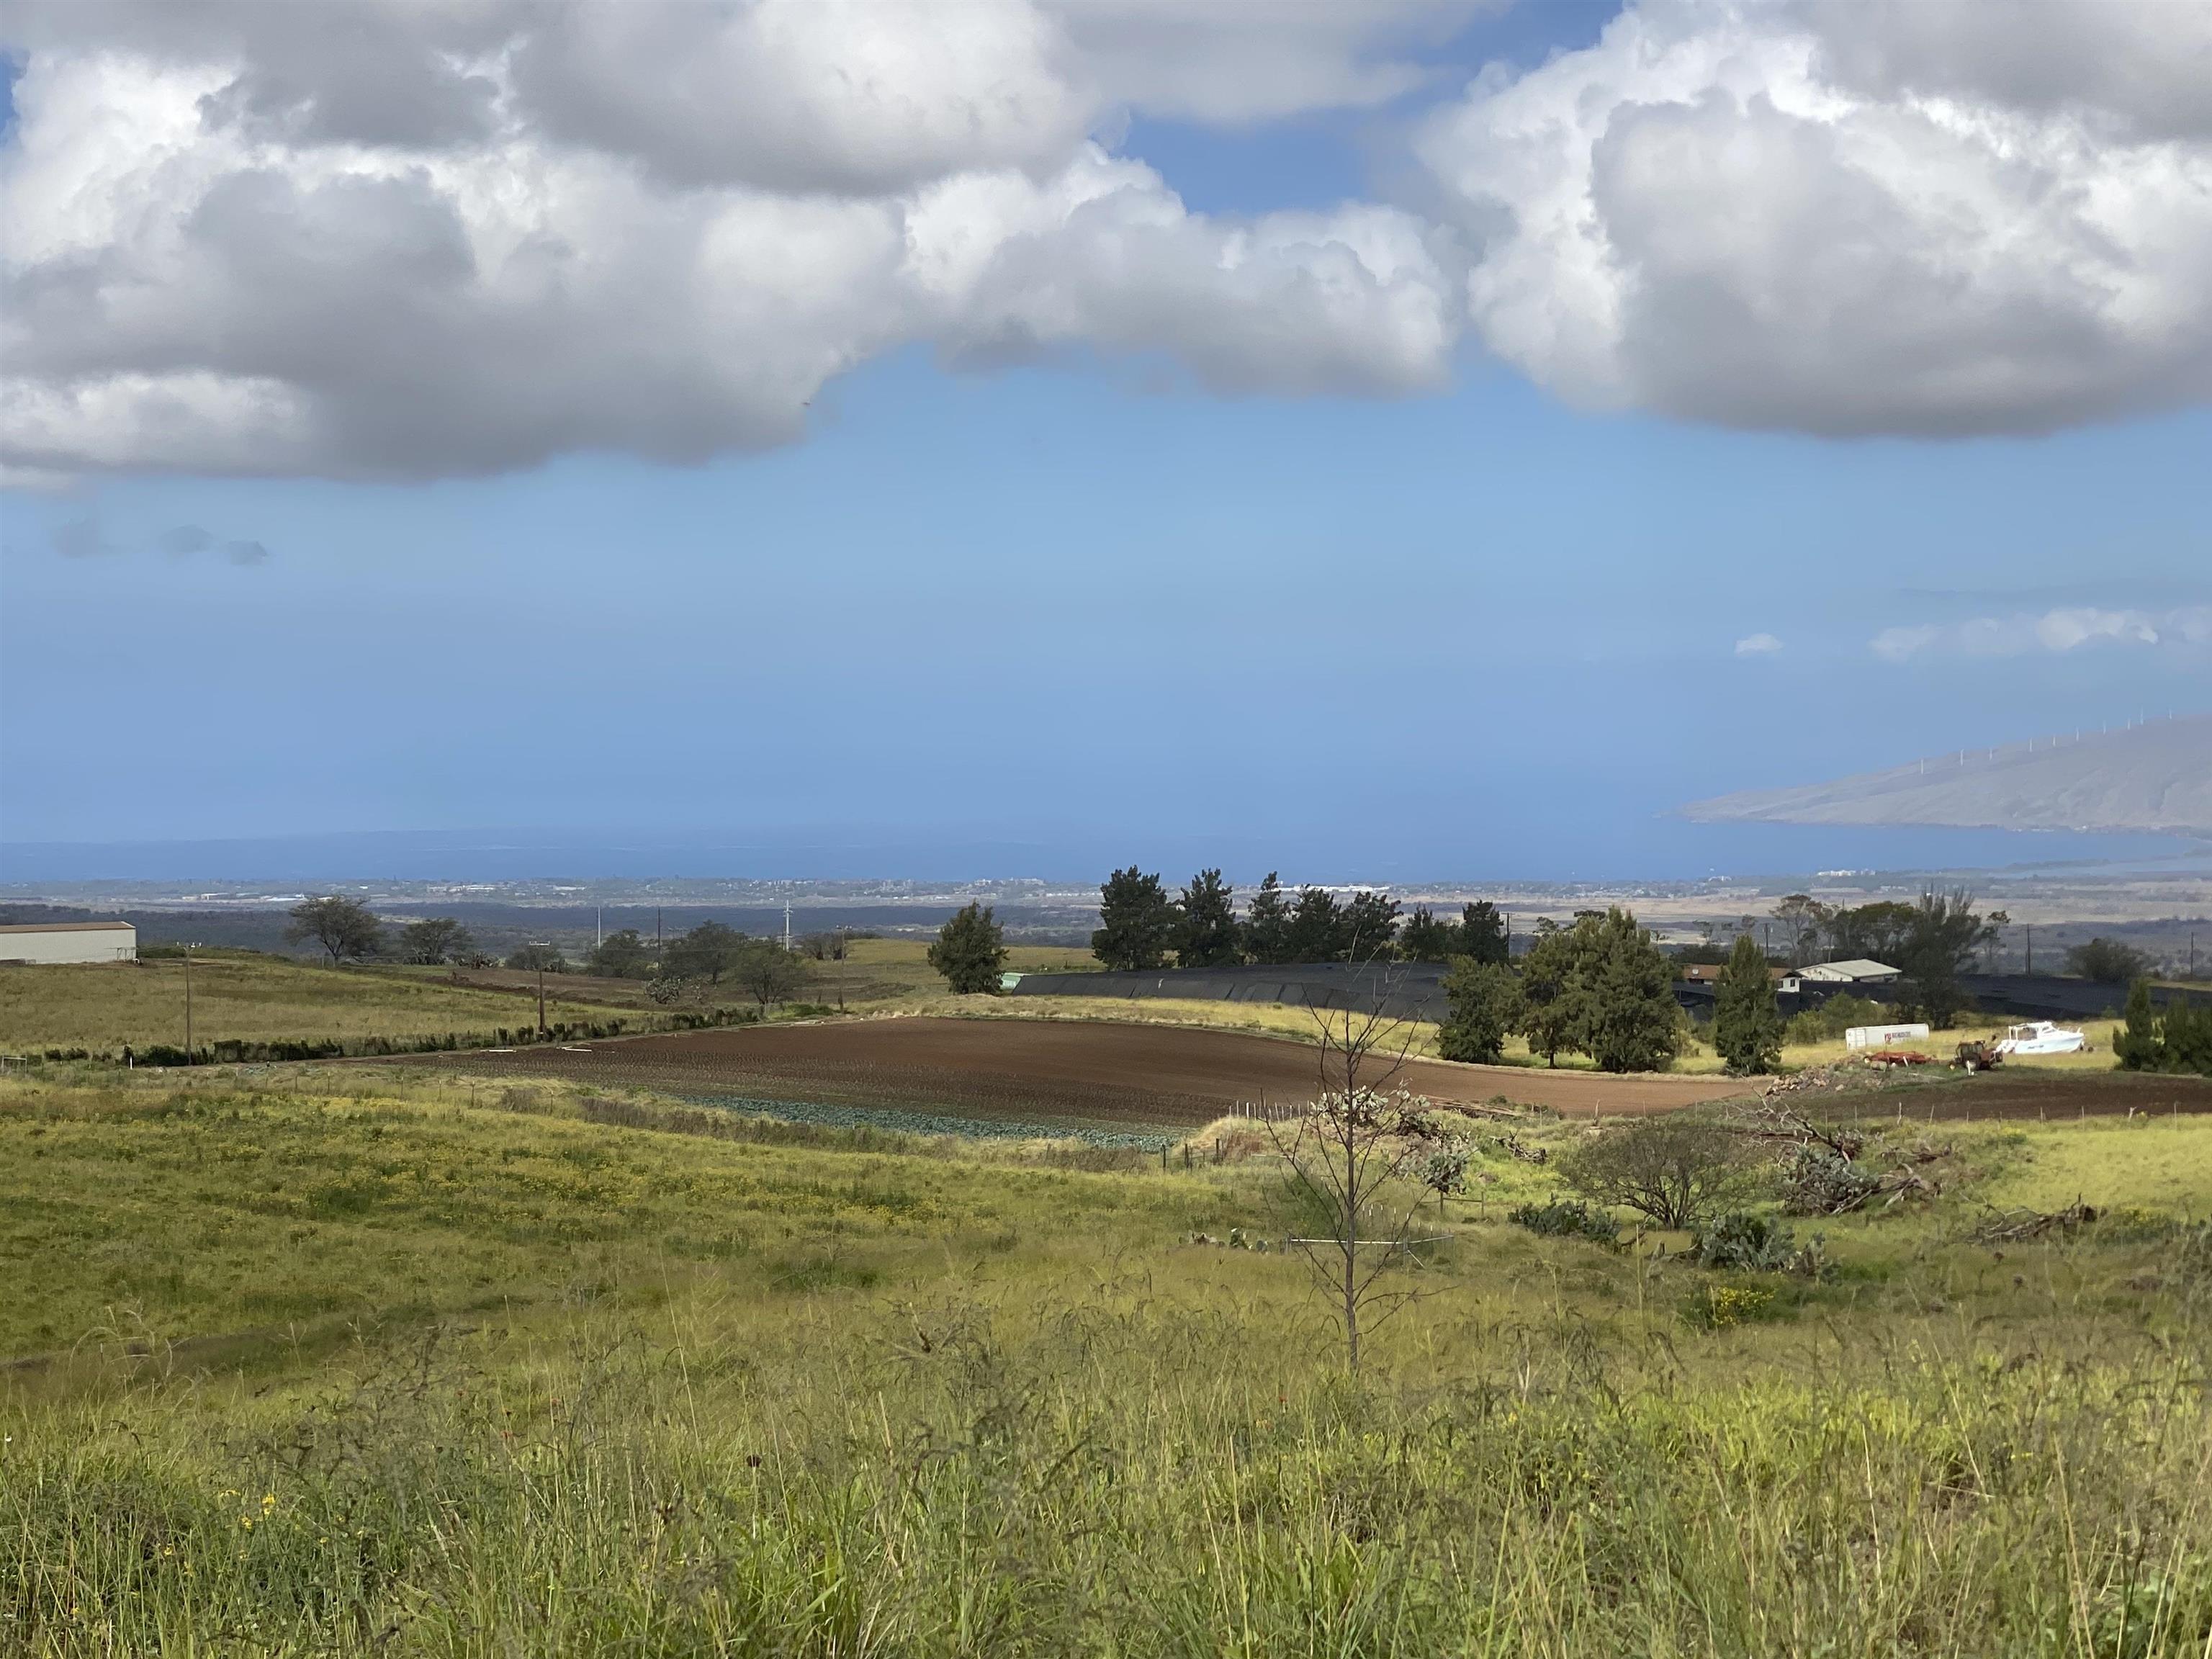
(1742, 1242)
(1670, 1169)
(1567, 1217)
(1717, 1307)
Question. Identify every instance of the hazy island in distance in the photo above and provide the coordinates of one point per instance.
(2155, 778)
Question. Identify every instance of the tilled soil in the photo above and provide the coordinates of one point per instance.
(2022, 1092)
(1032, 1070)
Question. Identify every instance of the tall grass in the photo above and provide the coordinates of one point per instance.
(1116, 1475)
(575, 1375)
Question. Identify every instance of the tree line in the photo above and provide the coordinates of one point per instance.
(706, 955)
(1598, 986)
(2175, 1038)
(1141, 925)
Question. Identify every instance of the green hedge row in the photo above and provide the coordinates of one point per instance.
(234, 1052)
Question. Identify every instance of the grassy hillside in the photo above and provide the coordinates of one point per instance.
(359, 1365)
(243, 996)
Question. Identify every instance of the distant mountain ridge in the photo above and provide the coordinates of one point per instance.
(2156, 777)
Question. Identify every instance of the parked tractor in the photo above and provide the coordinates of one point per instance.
(1978, 1056)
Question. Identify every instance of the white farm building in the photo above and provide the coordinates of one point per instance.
(49, 942)
(1857, 971)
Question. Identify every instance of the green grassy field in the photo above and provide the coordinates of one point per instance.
(243, 996)
(330, 1360)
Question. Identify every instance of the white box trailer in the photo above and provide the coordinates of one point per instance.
(47, 943)
(1882, 1036)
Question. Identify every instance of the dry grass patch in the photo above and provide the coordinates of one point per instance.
(243, 996)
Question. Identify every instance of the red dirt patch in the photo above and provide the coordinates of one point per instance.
(1028, 1069)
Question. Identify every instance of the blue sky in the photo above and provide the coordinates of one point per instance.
(1079, 604)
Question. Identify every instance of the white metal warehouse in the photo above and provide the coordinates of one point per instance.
(50, 942)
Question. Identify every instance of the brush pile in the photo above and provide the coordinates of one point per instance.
(1835, 1169)
(2018, 1226)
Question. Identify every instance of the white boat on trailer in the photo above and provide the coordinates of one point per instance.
(2041, 1036)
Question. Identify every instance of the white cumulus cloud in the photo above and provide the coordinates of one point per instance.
(1758, 645)
(2069, 628)
(1928, 218)
(368, 239)
(418, 240)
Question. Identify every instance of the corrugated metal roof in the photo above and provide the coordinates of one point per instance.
(66, 927)
(1858, 968)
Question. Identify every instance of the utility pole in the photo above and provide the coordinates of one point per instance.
(188, 1005)
(2031, 945)
(599, 925)
(542, 945)
(787, 926)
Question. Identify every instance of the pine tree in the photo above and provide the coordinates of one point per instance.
(2135, 1046)
(1602, 987)
(970, 951)
(1634, 1022)
(1369, 928)
(1136, 919)
(1746, 1024)
(1424, 939)
(1551, 993)
(1485, 1000)
(1268, 923)
(1317, 931)
(1482, 934)
(2185, 1038)
(1206, 924)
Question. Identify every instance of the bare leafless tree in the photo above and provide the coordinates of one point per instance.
(1357, 1152)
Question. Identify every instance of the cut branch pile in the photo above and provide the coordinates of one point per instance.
(1768, 1122)
(1514, 1146)
(1843, 1077)
(1826, 1172)
(2017, 1226)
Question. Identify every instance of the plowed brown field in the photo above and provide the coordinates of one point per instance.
(2022, 1092)
(1040, 1070)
